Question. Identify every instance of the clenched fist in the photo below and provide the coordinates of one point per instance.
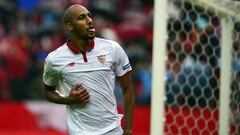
(78, 94)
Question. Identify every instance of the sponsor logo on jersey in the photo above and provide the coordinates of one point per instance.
(101, 58)
(126, 66)
(72, 64)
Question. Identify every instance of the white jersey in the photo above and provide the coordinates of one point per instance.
(97, 71)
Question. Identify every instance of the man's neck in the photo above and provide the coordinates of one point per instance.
(82, 45)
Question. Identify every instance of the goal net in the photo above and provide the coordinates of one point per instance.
(198, 72)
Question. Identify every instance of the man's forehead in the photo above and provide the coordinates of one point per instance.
(76, 9)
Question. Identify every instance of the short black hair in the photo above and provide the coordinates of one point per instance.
(67, 17)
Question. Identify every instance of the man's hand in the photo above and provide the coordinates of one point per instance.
(78, 94)
(127, 132)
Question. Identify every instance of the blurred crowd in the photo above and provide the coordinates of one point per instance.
(29, 30)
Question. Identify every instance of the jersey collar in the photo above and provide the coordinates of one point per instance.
(76, 50)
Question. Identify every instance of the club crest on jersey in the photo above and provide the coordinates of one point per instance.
(101, 58)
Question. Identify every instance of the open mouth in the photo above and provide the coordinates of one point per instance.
(91, 29)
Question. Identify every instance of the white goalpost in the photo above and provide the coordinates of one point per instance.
(158, 65)
(225, 9)
(225, 80)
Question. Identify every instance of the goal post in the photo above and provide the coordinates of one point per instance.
(225, 80)
(223, 7)
(192, 67)
(158, 65)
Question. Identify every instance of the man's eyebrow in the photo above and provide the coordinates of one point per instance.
(84, 13)
(80, 14)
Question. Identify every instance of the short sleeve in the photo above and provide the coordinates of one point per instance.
(122, 64)
(50, 76)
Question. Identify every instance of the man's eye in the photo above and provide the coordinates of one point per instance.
(80, 17)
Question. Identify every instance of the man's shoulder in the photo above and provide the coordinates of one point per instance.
(105, 41)
(58, 52)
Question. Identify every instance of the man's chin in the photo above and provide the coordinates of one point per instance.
(88, 38)
(91, 37)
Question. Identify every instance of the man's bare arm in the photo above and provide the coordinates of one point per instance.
(128, 102)
(78, 94)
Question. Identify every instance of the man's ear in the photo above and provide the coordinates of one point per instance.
(69, 27)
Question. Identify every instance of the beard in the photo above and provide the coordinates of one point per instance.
(83, 34)
(85, 38)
